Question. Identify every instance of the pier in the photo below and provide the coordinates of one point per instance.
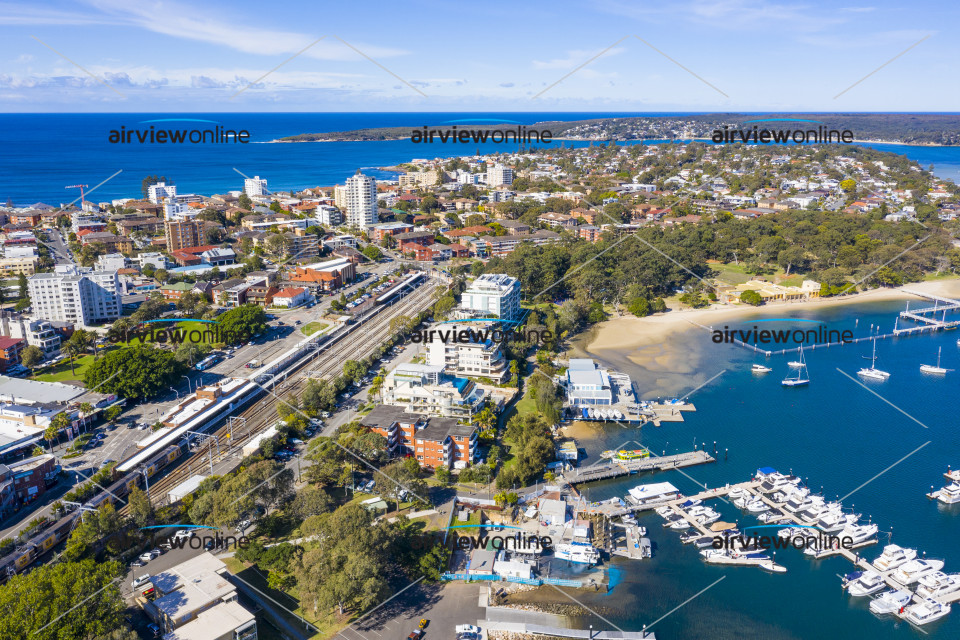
(616, 468)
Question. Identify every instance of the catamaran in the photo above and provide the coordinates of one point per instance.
(801, 378)
(929, 368)
(872, 372)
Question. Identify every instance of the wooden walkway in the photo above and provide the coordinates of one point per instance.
(616, 468)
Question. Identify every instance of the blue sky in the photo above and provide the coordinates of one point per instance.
(490, 56)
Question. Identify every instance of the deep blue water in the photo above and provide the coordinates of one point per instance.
(40, 154)
(834, 433)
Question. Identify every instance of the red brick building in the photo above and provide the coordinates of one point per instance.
(434, 441)
(10, 349)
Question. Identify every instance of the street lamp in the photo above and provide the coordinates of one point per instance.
(189, 388)
(176, 392)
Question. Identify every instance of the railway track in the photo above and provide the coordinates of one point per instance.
(255, 418)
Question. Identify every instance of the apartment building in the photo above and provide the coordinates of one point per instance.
(255, 187)
(36, 333)
(493, 295)
(328, 216)
(499, 246)
(75, 294)
(185, 233)
(359, 199)
(434, 441)
(499, 175)
(473, 358)
(161, 191)
(425, 388)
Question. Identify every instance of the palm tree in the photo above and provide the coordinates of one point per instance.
(85, 410)
(73, 350)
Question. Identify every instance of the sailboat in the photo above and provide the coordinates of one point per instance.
(872, 372)
(801, 378)
(928, 368)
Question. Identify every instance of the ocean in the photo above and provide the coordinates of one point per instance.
(44, 153)
(835, 434)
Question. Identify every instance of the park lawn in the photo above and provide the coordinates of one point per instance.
(204, 332)
(61, 372)
(312, 327)
(793, 281)
(944, 275)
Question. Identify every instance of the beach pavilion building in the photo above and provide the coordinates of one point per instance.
(586, 384)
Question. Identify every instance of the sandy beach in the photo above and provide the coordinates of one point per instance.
(653, 345)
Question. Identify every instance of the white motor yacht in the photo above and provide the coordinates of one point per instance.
(578, 553)
(893, 556)
(925, 612)
(863, 583)
(759, 368)
(891, 601)
(938, 584)
(912, 571)
(950, 494)
(834, 522)
(859, 533)
(756, 506)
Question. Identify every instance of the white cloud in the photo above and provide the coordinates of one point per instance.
(574, 58)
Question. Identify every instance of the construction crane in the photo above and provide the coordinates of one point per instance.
(81, 187)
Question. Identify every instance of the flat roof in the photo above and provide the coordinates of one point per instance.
(16, 389)
(191, 585)
(185, 488)
(213, 623)
(384, 415)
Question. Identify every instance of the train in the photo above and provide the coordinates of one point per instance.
(27, 552)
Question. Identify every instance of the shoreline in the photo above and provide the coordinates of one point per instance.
(655, 355)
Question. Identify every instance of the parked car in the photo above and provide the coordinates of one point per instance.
(150, 555)
(183, 533)
(154, 629)
(141, 580)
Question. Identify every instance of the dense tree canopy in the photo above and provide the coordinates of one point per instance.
(135, 372)
(241, 323)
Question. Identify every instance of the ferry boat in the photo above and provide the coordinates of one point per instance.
(929, 368)
(578, 553)
(891, 601)
(632, 454)
(801, 378)
(759, 368)
(938, 584)
(863, 583)
(872, 372)
(893, 556)
(925, 612)
(912, 571)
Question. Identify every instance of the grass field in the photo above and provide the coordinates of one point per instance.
(312, 327)
(62, 372)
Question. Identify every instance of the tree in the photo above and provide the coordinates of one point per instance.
(354, 370)
(241, 323)
(113, 413)
(751, 297)
(63, 601)
(72, 349)
(22, 285)
(135, 372)
(372, 252)
(639, 307)
(141, 510)
(31, 357)
(244, 202)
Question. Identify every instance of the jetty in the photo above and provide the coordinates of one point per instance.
(549, 624)
(615, 468)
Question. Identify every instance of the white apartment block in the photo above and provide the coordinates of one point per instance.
(475, 358)
(328, 216)
(161, 191)
(37, 333)
(255, 186)
(360, 201)
(176, 211)
(424, 388)
(75, 294)
(499, 175)
(493, 295)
